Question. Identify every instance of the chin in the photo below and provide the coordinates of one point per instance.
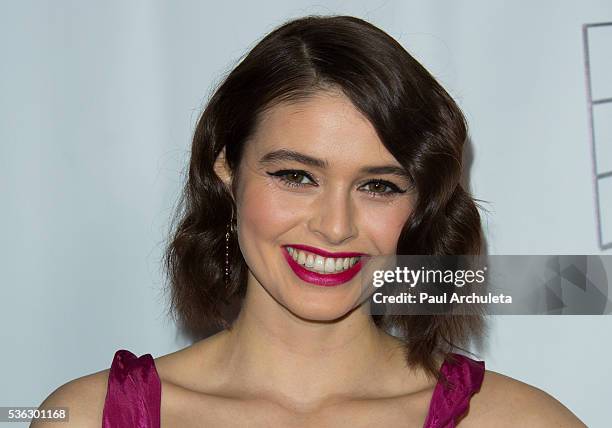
(320, 314)
(322, 309)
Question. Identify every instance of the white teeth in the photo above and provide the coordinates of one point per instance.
(321, 264)
(310, 261)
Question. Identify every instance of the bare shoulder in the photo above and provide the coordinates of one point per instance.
(84, 397)
(506, 402)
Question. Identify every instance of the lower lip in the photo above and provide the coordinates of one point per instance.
(324, 280)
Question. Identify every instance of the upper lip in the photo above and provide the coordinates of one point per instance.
(325, 253)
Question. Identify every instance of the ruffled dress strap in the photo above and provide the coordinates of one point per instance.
(133, 395)
(461, 379)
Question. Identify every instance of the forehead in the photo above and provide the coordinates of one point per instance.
(326, 125)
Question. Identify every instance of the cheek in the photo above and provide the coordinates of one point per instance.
(264, 211)
(383, 224)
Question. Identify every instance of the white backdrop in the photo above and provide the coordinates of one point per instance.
(98, 101)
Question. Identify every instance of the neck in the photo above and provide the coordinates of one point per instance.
(304, 364)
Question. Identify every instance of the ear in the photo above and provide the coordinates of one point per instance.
(223, 171)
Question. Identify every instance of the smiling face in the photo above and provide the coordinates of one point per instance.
(316, 188)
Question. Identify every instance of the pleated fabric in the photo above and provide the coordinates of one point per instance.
(451, 399)
(133, 395)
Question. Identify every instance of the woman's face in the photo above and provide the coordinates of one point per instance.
(315, 183)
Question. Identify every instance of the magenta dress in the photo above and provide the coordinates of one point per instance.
(133, 396)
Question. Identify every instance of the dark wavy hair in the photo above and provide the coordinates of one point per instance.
(416, 120)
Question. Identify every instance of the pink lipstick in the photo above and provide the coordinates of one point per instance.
(323, 279)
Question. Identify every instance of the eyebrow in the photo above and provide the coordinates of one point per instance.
(290, 155)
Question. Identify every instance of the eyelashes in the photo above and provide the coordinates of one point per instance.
(290, 177)
(294, 178)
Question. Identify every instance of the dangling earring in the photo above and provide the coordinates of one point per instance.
(229, 231)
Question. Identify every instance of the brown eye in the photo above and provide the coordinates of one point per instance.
(296, 177)
(382, 188)
(293, 178)
(378, 187)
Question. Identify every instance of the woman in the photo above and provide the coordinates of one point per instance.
(328, 143)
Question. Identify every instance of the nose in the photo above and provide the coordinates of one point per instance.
(333, 217)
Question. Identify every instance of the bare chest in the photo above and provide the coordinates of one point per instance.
(180, 408)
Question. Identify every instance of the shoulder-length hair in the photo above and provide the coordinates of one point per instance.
(416, 120)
